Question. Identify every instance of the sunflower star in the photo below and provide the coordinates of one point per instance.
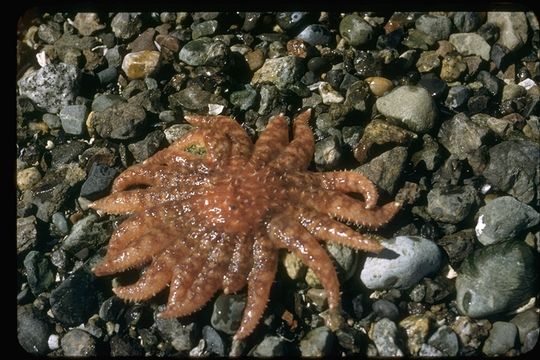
(217, 220)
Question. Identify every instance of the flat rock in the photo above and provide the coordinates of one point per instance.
(470, 44)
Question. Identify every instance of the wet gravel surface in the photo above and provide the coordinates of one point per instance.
(439, 109)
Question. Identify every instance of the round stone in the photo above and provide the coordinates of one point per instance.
(140, 64)
(495, 279)
(379, 85)
(410, 105)
(404, 262)
(355, 30)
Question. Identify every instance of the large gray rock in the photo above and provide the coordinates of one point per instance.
(495, 279)
(503, 219)
(470, 44)
(512, 28)
(460, 136)
(451, 203)
(410, 259)
(410, 105)
(502, 337)
(514, 167)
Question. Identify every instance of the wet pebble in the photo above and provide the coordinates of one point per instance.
(214, 342)
(453, 67)
(87, 23)
(467, 21)
(26, 233)
(227, 312)
(328, 152)
(126, 25)
(384, 334)
(318, 342)
(435, 87)
(86, 233)
(194, 98)
(458, 245)
(358, 95)
(379, 85)
(417, 329)
(291, 20)
(470, 44)
(98, 181)
(181, 335)
(281, 71)
(451, 203)
(125, 347)
(138, 65)
(39, 274)
(410, 259)
(103, 101)
(461, 136)
(445, 340)
(244, 99)
(502, 337)
(509, 169)
(410, 105)
(438, 27)
(270, 346)
(495, 279)
(489, 31)
(142, 150)
(32, 330)
(385, 170)
(52, 87)
(204, 28)
(111, 309)
(74, 300)
(512, 28)
(73, 119)
(195, 53)
(526, 322)
(504, 218)
(78, 342)
(315, 34)
(355, 30)
(457, 97)
(122, 121)
(385, 309)
(329, 95)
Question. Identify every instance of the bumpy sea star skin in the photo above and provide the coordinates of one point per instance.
(217, 221)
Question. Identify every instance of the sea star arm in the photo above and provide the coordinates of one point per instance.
(297, 155)
(154, 278)
(271, 141)
(261, 277)
(325, 228)
(346, 208)
(288, 233)
(236, 276)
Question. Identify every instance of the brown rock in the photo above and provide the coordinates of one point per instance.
(379, 85)
(140, 64)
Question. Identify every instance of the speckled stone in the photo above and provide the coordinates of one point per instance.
(281, 71)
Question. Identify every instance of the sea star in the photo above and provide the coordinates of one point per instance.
(218, 219)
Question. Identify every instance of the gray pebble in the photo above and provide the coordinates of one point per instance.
(73, 119)
(103, 101)
(126, 25)
(513, 28)
(461, 136)
(74, 300)
(385, 309)
(227, 312)
(244, 99)
(66, 153)
(495, 279)
(52, 87)
(194, 98)
(318, 342)
(467, 21)
(87, 233)
(111, 309)
(32, 331)
(526, 322)
(410, 259)
(52, 121)
(78, 342)
(355, 30)
(502, 337)
(214, 342)
(458, 245)
(147, 147)
(39, 274)
(531, 340)
(115, 55)
(125, 347)
(513, 168)
(270, 346)
(470, 44)
(451, 203)
(504, 218)
(410, 105)
(438, 27)
(98, 181)
(445, 340)
(108, 76)
(59, 224)
(281, 71)
(181, 335)
(384, 334)
(457, 97)
(358, 95)
(315, 34)
(195, 53)
(120, 122)
(489, 31)
(328, 152)
(204, 28)
(26, 234)
(430, 351)
(385, 170)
